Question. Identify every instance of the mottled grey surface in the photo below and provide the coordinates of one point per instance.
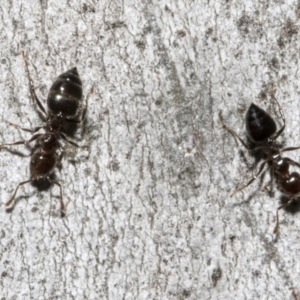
(149, 213)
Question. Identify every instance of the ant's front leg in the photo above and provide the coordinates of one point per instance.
(31, 87)
(234, 134)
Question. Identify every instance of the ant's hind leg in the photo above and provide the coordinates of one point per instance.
(62, 205)
(86, 104)
(8, 203)
(31, 87)
(279, 132)
(292, 162)
(275, 231)
(234, 134)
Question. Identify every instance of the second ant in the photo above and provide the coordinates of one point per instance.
(262, 132)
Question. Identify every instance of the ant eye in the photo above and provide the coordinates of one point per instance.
(261, 130)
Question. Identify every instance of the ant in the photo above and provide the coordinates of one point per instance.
(64, 103)
(262, 131)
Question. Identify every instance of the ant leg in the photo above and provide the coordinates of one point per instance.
(21, 142)
(252, 179)
(31, 87)
(68, 141)
(279, 132)
(232, 132)
(290, 149)
(26, 129)
(8, 203)
(275, 231)
(59, 158)
(71, 142)
(86, 104)
(270, 184)
(62, 206)
(292, 162)
(61, 155)
(272, 179)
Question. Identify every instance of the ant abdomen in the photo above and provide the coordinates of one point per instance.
(65, 95)
(259, 124)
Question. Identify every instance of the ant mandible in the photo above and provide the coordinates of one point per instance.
(262, 131)
(64, 103)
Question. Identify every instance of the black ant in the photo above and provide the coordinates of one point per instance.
(262, 131)
(64, 104)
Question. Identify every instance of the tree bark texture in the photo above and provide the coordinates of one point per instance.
(149, 213)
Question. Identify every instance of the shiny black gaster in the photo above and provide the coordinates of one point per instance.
(259, 125)
(65, 95)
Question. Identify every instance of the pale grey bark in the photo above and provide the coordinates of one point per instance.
(149, 213)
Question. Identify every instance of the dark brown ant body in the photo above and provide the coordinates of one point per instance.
(262, 131)
(64, 103)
